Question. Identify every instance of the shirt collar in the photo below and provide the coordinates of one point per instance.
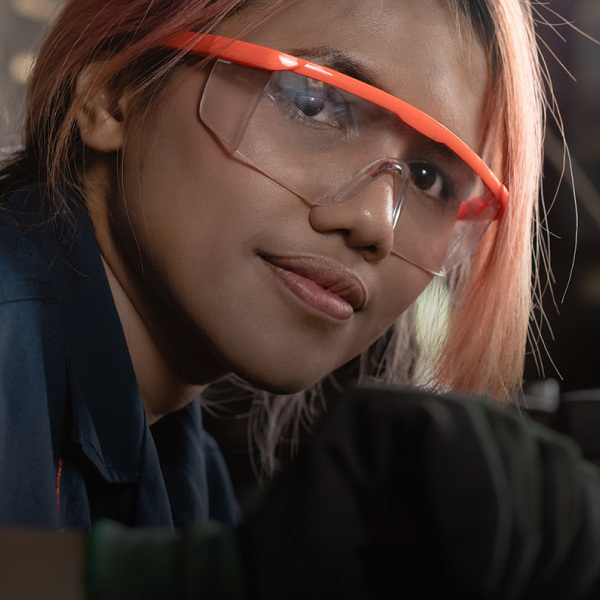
(109, 422)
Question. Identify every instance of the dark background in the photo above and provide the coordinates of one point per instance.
(572, 338)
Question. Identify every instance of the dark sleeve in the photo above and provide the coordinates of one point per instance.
(27, 465)
(32, 380)
(401, 491)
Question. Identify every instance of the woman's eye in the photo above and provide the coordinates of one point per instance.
(429, 179)
(311, 100)
(315, 101)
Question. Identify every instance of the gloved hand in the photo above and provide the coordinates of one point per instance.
(398, 493)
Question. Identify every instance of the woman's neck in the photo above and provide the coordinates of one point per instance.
(161, 389)
(170, 370)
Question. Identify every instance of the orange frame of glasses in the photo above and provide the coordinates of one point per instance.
(261, 57)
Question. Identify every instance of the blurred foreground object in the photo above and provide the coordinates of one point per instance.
(398, 491)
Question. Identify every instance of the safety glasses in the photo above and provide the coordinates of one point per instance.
(329, 138)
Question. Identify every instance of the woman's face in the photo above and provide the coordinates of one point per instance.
(226, 266)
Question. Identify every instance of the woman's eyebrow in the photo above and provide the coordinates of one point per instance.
(339, 61)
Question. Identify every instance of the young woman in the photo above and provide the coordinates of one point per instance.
(259, 188)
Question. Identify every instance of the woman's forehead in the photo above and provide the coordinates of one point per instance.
(411, 48)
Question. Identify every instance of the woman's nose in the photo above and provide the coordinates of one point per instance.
(365, 219)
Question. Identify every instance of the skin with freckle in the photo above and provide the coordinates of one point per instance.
(190, 225)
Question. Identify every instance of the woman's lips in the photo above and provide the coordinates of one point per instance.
(320, 283)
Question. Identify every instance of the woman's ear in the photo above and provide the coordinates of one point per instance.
(100, 119)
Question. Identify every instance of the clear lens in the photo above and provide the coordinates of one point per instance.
(315, 140)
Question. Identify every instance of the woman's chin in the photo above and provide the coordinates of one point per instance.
(284, 383)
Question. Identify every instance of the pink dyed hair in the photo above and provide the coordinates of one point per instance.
(483, 351)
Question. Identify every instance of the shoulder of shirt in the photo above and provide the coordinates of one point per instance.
(27, 249)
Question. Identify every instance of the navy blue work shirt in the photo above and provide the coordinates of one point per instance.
(75, 445)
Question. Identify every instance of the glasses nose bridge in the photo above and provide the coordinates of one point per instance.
(361, 187)
(366, 209)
